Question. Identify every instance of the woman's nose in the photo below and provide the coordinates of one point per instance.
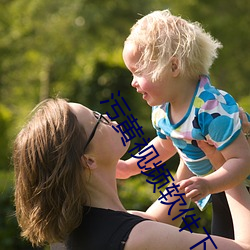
(107, 117)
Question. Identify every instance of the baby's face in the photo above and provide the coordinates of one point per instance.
(152, 92)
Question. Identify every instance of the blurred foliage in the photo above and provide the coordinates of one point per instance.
(72, 48)
(245, 103)
(9, 231)
(5, 124)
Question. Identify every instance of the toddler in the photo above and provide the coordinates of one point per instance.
(170, 59)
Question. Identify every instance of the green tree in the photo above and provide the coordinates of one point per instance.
(73, 48)
(228, 21)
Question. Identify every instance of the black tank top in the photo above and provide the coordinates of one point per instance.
(102, 229)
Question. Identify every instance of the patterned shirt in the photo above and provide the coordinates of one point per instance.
(213, 115)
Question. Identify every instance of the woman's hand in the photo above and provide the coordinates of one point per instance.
(245, 124)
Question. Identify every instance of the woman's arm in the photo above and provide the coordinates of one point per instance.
(245, 123)
(159, 236)
(239, 203)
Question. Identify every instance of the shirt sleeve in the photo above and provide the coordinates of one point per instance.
(219, 120)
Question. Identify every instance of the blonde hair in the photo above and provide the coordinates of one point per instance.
(160, 36)
(49, 182)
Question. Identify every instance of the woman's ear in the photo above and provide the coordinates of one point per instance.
(90, 161)
(175, 66)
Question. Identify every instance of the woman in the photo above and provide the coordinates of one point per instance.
(65, 188)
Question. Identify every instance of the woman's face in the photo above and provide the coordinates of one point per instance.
(106, 142)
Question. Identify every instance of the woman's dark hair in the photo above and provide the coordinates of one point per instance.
(49, 180)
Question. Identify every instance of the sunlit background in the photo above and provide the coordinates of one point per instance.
(72, 48)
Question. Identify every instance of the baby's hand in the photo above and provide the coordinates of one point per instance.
(195, 188)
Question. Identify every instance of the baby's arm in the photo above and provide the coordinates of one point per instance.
(234, 171)
(127, 168)
(236, 167)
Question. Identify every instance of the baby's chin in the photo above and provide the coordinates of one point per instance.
(152, 103)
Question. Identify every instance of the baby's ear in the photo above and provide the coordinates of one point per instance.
(175, 66)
